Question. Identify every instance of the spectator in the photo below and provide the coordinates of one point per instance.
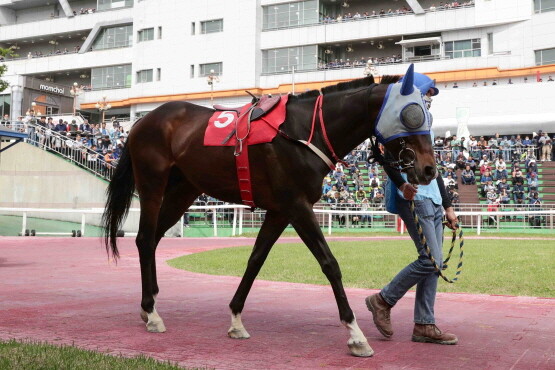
(518, 193)
(500, 169)
(549, 79)
(468, 176)
(546, 143)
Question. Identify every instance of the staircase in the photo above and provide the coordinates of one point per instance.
(468, 194)
(547, 182)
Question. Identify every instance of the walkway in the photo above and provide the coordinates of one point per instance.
(66, 291)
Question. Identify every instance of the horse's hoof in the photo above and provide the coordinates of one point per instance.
(238, 333)
(155, 324)
(144, 316)
(360, 349)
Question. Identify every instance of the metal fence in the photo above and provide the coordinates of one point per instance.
(234, 217)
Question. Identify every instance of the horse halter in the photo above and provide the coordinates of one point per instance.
(407, 157)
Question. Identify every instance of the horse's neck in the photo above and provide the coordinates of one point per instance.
(347, 122)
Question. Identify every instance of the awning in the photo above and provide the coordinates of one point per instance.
(6, 134)
(422, 41)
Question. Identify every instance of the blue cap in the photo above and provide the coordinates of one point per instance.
(424, 83)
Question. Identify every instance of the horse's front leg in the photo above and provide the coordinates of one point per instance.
(271, 229)
(305, 223)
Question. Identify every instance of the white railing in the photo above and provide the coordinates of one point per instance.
(63, 145)
(540, 218)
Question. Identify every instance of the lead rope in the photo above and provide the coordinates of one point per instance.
(428, 252)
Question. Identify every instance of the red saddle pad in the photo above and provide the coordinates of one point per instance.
(263, 130)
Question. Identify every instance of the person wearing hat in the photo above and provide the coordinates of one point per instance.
(430, 202)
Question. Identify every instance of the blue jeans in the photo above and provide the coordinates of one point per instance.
(421, 272)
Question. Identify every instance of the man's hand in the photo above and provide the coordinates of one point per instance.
(452, 220)
(408, 191)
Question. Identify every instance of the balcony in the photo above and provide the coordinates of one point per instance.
(61, 25)
(65, 62)
(376, 27)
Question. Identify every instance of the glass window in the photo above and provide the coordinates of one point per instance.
(216, 25)
(192, 28)
(463, 48)
(5, 101)
(113, 4)
(146, 35)
(112, 77)
(545, 56)
(144, 76)
(211, 68)
(114, 37)
(284, 59)
(289, 14)
(541, 6)
(158, 74)
(192, 71)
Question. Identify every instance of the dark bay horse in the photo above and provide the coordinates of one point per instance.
(166, 162)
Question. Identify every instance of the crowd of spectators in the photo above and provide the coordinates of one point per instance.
(97, 146)
(450, 5)
(347, 189)
(488, 160)
(83, 11)
(40, 54)
(354, 16)
(359, 63)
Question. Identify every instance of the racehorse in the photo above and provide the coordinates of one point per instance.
(166, 162)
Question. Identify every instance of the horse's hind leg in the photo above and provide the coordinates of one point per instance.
(177, 199)
(305, 223)
(271, 229)
(150, 191)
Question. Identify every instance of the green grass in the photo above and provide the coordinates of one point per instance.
(35, 355)
(513, 267)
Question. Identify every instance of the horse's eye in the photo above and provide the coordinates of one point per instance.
(412, 116)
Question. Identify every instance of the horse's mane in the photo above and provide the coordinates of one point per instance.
(349, 85)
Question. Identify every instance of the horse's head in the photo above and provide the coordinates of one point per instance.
(403, 127)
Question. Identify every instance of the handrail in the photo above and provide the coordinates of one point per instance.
(67, 148)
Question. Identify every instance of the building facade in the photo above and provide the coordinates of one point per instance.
(139, 54)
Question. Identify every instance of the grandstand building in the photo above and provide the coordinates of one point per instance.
(139, 54)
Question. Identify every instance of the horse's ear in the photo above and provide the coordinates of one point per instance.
(408, 81)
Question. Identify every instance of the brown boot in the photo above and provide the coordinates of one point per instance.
(381, 311)
(430, 333)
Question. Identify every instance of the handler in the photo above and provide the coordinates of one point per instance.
(429, 200)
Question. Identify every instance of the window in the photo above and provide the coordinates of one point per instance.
(158, 74)
(284, 59)
(490, 43)
(146, 35)
(545, 56)
(211, 68)
(159, 32)
(144, 76)
(216, 25)
(5, 101)
(289, 14)
(114, 37)
(113, 4)
(112, 77)
(463, 48)
(541, 6)
(192, 28)
(192, 69)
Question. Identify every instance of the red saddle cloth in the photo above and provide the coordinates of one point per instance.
(263, 130)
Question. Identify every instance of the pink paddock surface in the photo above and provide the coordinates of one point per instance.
(66, 291)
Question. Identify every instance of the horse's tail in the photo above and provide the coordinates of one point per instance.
(119, 194)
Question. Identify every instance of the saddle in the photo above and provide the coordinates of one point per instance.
(260, 106)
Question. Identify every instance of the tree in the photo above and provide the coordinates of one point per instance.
(4, 53)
